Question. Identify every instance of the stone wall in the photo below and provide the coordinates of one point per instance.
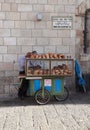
(84, 58)
(20, 32)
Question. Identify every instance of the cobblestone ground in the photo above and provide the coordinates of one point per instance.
(72, 114)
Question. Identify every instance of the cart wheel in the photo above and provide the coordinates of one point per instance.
(42, 99)
(63, 96)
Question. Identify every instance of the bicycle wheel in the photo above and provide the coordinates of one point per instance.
(42, 99)
(63, 96)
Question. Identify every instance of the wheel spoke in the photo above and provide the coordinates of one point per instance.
(63, 96)
(42, 99)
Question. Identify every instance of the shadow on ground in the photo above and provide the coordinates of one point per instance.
(74, 98)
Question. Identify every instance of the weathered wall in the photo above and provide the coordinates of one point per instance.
(84, 58)
(20, 32)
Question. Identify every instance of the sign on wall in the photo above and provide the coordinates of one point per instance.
(62, 22)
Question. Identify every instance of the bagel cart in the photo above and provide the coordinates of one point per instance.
(49, 80)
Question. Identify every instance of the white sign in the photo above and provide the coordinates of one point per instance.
(47, 82)
(62, 22)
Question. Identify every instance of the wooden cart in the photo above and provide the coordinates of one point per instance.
(49, 80)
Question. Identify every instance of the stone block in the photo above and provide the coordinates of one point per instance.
(20, 33)
(24, 7)
(2, 74)
(55, 41)
(1, 24)
(10, 41)
(4, 32)
(4, 97)
(6, 66)
(59, 8)
(50, 49)
(14, 49)
(5, 7)
(64, 33)
(38, 8)
(67, 2)
(42, 1)
(10, 57)
(2, 82)
(1, 66)
(20, 24)
(2, 1)
(1, 88)
(36, 33)
(6, 89)
(24, 16)
(60, 2)
(49, 25)
(17, 1)
(73, 33)
(16, 68)
(28, 16)
(49, 8)
(12, 16)
(70, 9)
(11, 74)
(26, 49)
(3, 49)
(30, 24)
(1, 58)
(72, 50)
(79, 33)
(63, 49)
(24, 1)
(42, 41)
(1, 41)
(9, 1)
(14, 7)
(50, 33)
(47, 16)
(13, 91)
(52, 1)
(78, 40)
(69, 41)
(8, 24)
(78, 26)
(40, 25)
(0, 6)
(26, 41)
(72, 2)
(33, 1)
(2, 15)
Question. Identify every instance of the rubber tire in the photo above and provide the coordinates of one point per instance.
(39, 99)
(62, 97)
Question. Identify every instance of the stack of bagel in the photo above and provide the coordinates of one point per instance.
(45, 56)
(60, 70)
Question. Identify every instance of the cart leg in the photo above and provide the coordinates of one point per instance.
(84, 88)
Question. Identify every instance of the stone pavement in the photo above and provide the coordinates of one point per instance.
(72, 114)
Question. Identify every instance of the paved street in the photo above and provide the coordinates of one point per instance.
(73, 114)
